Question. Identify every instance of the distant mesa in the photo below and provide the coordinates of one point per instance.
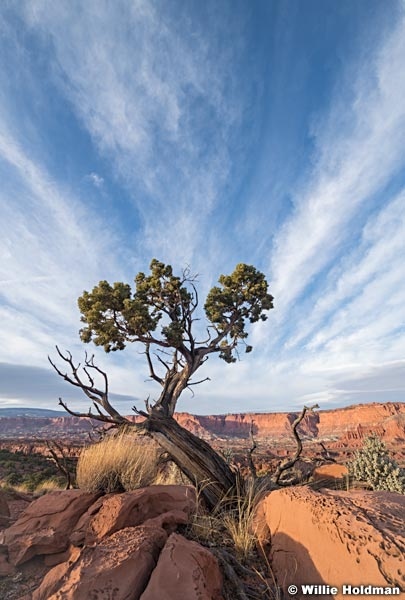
(31, 412)
(340, 427)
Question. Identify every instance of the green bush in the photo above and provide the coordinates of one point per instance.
(373, 465)
(12, 479)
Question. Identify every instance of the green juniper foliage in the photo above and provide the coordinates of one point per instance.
(114, 315)
(373, 465)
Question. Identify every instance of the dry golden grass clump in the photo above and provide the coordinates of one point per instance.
(124, 462)
(232, 521)
(230, 532)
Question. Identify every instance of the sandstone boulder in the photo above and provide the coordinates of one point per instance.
(334, 537)
(329, 475)
(46, 524)
(184, 570)
(118, 567)
(329, 471)
(170, 504)
(55, 578)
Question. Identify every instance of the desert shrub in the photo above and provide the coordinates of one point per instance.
(49, 485)
(27, 472)
(232, 522)
(373, 465)
(239, 521)
(122, 463)
(12, 479)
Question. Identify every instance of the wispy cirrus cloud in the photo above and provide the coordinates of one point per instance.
(159, 99)
(354, 162)
(48, 254)
(337, 263)
(368, 277)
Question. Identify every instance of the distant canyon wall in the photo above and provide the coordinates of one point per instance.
(348, 425)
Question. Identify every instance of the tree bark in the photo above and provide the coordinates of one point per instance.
(195, 457)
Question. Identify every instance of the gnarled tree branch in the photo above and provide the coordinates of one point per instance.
(98, 396)
(289, 463)
(253, 447)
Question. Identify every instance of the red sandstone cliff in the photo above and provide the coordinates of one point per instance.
(351, 423)
(344, 425)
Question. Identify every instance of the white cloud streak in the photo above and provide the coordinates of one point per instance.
(352, 167)
(350, 320)
(160, 104)
(48, 255)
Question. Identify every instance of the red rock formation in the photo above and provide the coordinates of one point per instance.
(334, 538)
(351, 423)
(329, 471)
(36, 426)
(184, 570)
(171, 504)
(118, 567)
(45, 526)
(103, 556)
(342, 425)
(121, 545)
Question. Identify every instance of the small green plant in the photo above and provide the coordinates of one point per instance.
(373, 465)
(27, 472)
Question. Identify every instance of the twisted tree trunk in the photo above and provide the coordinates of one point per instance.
(194, 457)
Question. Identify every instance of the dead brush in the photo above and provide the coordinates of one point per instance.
(229, 532)
(232, 520)
(238, 520)
(123, 463)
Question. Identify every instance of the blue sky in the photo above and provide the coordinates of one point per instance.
(207, 134)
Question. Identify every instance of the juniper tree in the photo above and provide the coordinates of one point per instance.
(160, 315)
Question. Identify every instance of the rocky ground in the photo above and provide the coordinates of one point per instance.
(74, 545)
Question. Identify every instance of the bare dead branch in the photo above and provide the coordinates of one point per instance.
(253, 447)
(150, 365)
(60, 461)
(90, 363)
(91, 380)
(90, 415)
(163, 362)
(289, 463)
(100, 431)
(198, 382)
(325, 453)
(99, 397)
(142, 413)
